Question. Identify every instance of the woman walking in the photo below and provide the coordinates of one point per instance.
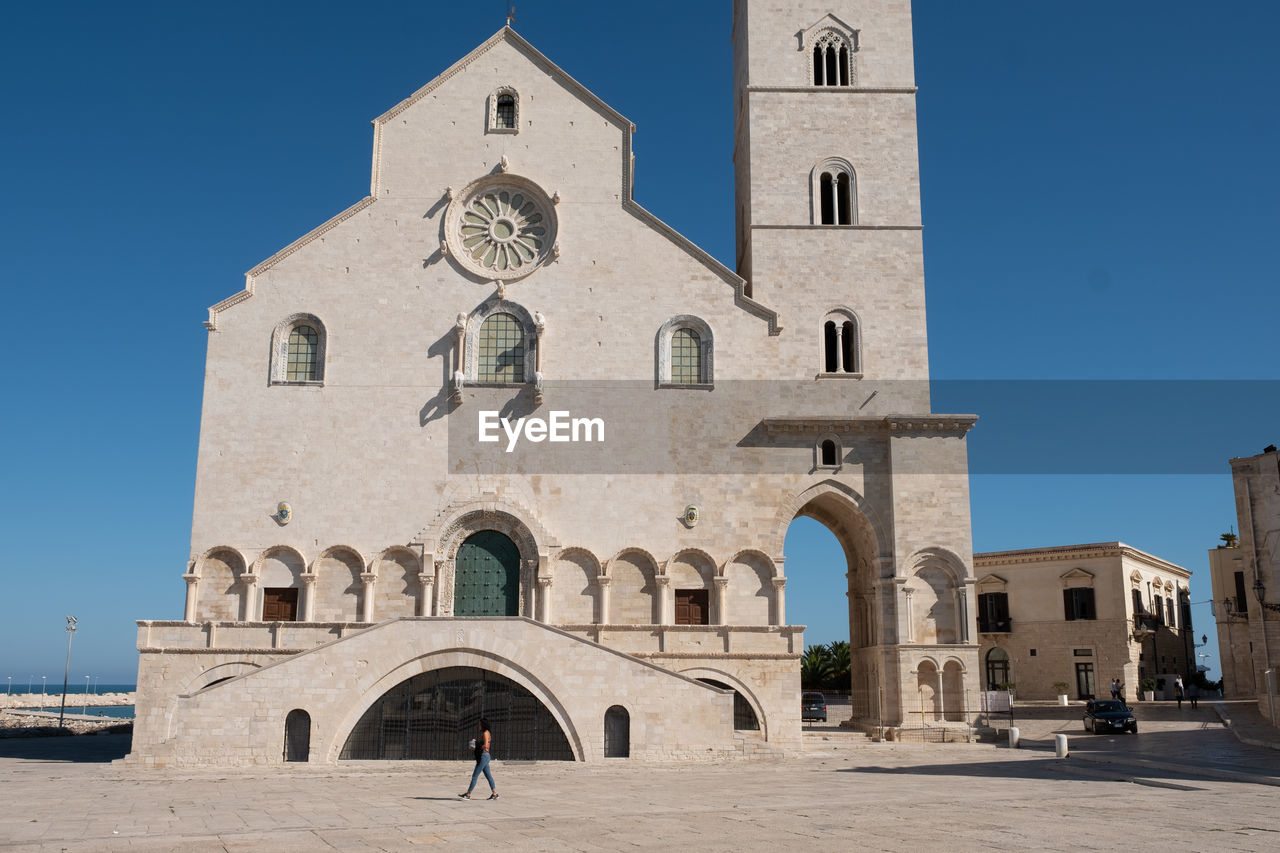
(481, 745)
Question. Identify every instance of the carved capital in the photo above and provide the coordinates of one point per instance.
(722, 583)
(544, 583)
(426, 578)
(369, 578)
(249, 579)
(308, 578)
(662, 580)
(778, 583)
(602, 580)
(191, 579)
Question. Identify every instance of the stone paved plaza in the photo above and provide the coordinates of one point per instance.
(1184, 782)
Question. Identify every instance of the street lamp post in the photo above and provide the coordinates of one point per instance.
(10, 693)
(1268, 677)
(66, 673)
(43, 692)
(85, 709)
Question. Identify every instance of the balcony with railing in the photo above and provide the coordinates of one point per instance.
(995, 626)
(1147, 622)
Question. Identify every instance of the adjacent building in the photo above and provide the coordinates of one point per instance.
(1246, 585)
(1082, 615)
(497, 441)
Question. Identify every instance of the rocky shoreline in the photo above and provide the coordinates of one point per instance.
(19, 724)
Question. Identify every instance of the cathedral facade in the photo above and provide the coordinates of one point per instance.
(496, 441)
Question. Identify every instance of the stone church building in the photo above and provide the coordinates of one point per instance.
(496, 441)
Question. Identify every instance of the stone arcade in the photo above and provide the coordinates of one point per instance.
(367, 582)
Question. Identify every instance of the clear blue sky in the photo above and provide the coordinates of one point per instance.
(1099, 182)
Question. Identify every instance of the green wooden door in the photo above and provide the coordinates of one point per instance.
(487, 581)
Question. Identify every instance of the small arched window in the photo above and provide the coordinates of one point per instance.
(501, 350)
(828, 453)
(685, 352)
(831, 60)
(298, 351)
(504, 111)
(841, 344)
(997, 669)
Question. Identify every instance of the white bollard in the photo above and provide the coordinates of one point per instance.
(1060, 745)
(1013, 737)
(1062, 699)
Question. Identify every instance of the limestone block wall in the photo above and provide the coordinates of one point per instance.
(241, 721)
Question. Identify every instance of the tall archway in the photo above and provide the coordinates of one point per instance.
(487, 576)
(431, 716)
(850, 558)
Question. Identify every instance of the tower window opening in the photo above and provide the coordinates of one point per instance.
(831, 348)
(828, 199)
(846, 346)
(828, 452)
(844, 66)
(843, 207)
(832, 76)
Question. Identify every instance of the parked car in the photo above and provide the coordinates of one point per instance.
(813, 706)
(1109, 715)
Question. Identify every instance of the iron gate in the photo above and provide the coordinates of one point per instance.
(433, 715)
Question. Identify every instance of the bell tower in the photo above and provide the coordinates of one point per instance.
(827, 175)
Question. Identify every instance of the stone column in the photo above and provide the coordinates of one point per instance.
(603, 617)
(544, 600)
(428, 582)
(663, 583)
(308, 596)
(249, 606)
(722, 601)
(366, 601)
(780, 601)
(528, 572)
(193, 586)
(907, 592)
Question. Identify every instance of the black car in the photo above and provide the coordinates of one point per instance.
(1109, 715)
(813, 706)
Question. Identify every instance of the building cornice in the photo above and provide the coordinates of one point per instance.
(893, 424)
(826, 91)
(1079, 552)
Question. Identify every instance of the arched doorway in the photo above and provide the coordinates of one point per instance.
(487, 577)
(617, 732)
(297, 735)
(432, 716)
(831, 547)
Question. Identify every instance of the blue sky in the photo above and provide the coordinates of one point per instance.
(1099, 185)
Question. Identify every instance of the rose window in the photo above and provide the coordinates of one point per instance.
(502, 230)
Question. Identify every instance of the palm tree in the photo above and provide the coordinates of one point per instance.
(815, 667)
(840, 664)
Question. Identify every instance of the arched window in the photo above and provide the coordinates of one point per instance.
(504, 111)
(997, 669)
(686, 357)
(828, 453)
(304, 345)
(841, 344)
(501, 350)
(831, 60)
(835, 197)
(499, 346)
(298, 351)
(617, 733)
(685, 352)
